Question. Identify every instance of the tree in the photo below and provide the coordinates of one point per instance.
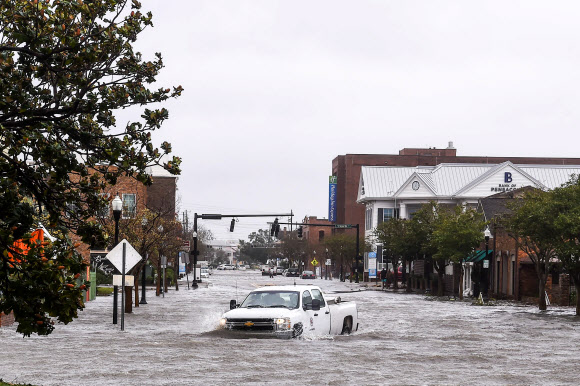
(421, 227)
(259, 247)
(342, 250)
(66, 67)
(565, 205)
(531, 223)
(293, 249)
(457, 233)
(392, 234)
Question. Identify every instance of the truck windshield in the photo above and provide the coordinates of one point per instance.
(272, 299)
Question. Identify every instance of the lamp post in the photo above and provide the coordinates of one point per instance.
(486, 235)
(143, 274)
(326, 266)
(195, 252)
(163, 263)
(117, 209)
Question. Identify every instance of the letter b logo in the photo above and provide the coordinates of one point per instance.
(507, 177)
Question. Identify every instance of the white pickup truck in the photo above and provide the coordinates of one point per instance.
(289, 311)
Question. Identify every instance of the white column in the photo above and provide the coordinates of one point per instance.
(402, 210)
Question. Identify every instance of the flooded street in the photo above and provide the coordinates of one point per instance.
(402, 339)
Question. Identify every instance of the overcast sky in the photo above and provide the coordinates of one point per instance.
(275, 90)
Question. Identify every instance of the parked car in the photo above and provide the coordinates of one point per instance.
(279, 270)
(223, 267)
(292, 272)
(205, 273)
(308, 275)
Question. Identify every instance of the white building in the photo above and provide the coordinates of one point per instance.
(400, 191)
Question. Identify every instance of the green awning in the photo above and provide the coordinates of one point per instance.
(477, 256)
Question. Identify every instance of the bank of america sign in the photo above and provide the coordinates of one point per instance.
(332, 198)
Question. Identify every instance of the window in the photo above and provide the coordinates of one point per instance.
(318, 295)
(369, 218)
(306, 299)
(129, 205)
(389, 213)
(320, 235)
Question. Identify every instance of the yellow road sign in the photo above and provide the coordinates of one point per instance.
(314, 262)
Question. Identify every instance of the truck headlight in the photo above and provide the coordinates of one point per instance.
(283, 324)
(223, 322)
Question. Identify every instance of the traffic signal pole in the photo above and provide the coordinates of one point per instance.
(216, 216)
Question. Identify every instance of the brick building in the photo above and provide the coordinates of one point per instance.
(513, 275)
(347, 169)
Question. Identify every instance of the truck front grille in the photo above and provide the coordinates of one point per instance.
(251, 324)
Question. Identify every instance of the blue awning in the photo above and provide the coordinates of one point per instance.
(477, 256)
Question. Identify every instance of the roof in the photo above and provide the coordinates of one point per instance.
(456, 180)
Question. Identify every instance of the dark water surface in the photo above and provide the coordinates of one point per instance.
(403, 339)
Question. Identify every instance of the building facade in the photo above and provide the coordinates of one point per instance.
(347, 170)
(388, 192)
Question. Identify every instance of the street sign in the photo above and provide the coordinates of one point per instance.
(314, 262)
(372, 265)
(185, 258)
(129, 280)
(185, 246)
(132, 257)
(328, 262)
(343, 226)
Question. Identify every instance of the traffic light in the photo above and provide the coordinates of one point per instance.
(299, 232)
(275, 228)
(232, 225)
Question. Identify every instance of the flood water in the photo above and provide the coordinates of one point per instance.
(402, 339)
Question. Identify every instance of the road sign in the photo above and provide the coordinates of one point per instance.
(314, 262)
(328, 262)
(132, 257)
(343, 226)
(372, 264)
(185, 246)
(129, 280)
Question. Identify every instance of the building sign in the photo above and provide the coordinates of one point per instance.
(508, 184)
(504, 187)
(332, 198)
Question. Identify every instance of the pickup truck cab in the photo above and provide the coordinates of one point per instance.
(290, 311)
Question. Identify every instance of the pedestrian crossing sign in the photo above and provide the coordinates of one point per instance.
(314, 262)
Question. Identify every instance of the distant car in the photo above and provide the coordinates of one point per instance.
(292, 272)
(279, 270)
(223, 267)
(308, 275)
(242, 267)
(205, 273)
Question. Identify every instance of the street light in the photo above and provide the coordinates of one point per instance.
(143, 274)
(195, 252)
(162, 264)
(117, 209)
(326, 266)
(486, 235)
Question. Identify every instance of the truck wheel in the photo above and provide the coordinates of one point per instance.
(297, 330)
(346, 326)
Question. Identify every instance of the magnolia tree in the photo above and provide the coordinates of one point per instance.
(565, 205)
(66, 68)
(458, 231)
(531, 223)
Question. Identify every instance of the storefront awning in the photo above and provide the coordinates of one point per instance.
(477, 256)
